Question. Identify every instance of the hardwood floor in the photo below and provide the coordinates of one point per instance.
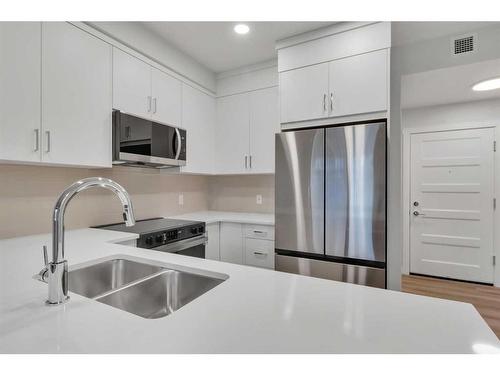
(485, 298)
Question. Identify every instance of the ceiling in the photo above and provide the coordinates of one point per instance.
(411, 32)
(219, 48)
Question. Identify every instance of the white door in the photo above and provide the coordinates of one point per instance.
(304, 93)
(131, 84)
(264, 124)
(212, 246)
(232, 133)
(76, 97)
(20, 48)
(198, 118)
(451, 223)
(167, 98)
(358, 84)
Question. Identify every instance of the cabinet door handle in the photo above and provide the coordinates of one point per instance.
(259, 231)
(154, 105)
(250, 161)
(37, 140)
(259, 253)
(149, 103)
(47, 134)
(324, 102)
(246, 161)
(331, 102)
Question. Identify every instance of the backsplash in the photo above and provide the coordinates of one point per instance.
(28, 194)
(238, 193)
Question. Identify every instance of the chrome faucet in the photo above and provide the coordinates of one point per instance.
(56, 271)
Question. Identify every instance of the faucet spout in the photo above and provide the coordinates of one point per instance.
(57, 269)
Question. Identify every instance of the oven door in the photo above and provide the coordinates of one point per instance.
(193, 247)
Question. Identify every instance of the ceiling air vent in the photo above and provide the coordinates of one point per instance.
(464, 44)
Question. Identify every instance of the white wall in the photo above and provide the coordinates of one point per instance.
(408, 59)
(137, 37)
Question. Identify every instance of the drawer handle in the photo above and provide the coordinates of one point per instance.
(259, 231)
(259, 253)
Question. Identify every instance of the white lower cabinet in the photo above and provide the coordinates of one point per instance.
(231, 243)
(248, 244)
(212, 248)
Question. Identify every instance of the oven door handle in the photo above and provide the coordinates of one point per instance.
(175, 247)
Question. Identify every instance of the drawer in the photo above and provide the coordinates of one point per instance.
(265, 232)
(259, 253)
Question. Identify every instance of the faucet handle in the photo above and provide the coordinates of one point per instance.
(45, 256)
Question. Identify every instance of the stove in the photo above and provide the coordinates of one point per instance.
(184, 237)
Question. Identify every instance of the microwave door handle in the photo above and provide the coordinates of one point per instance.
(179, 143)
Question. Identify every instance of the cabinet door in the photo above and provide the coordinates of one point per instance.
(232, 134)
(264, 124)
(212, 248)
(303, 93)
(131, 84)
(231, 243)
(358, 84)
(198, 118)
(76, 97)
(20, 90)
(167, 98)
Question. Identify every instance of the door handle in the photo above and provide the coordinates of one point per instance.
(47, 134)
(324, 102)
(246, 161)
(259, 253)
(250, 161)
(416, 213)
(178, 137)
(331, 102)
(154, 105)
(149, 103)
(37, 140)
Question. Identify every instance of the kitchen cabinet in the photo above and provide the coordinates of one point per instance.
(213, 244)
(131, 84)
(144, 91)
(232, 134)
(259, 253)
(348, 86)
(76, 97)
(20, 76)
(246, 124)
(198, 118)
(303, 93)
(231, 243)
(358, 84)
(166, 93)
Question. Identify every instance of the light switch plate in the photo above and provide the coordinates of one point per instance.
(181, 199)
(258, 199)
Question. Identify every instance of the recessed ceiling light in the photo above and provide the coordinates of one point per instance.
(489, 84)
(241, 28)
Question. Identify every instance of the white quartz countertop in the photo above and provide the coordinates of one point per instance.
(253, 311)
(231, 217)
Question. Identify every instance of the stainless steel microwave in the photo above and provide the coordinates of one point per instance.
(145, 143)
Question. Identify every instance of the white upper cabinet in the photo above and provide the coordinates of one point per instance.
(358, 84)
(264, 124)
(198, 118)
(232, 147)
(167, 98)
(20, 76)
(131, 85)
(76, 97)
(303, 93)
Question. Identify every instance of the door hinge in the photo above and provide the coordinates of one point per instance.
(494, 146)
(494, 203)
(494, 259)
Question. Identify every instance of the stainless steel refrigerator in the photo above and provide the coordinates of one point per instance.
(331, 203)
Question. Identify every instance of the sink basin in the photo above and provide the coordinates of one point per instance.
(161, 295)
(148, 290)
(102, 277)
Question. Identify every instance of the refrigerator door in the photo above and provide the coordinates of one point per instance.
(299, 196)
(356, 192)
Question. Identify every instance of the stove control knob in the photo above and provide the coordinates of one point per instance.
(159, 238)
(149, 241)
(194, 230)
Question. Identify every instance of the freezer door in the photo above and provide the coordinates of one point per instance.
(356, 191)
(299, 191)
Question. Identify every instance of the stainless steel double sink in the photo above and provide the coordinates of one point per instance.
(148, 290)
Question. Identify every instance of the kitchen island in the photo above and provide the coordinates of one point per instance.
(253, 311)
